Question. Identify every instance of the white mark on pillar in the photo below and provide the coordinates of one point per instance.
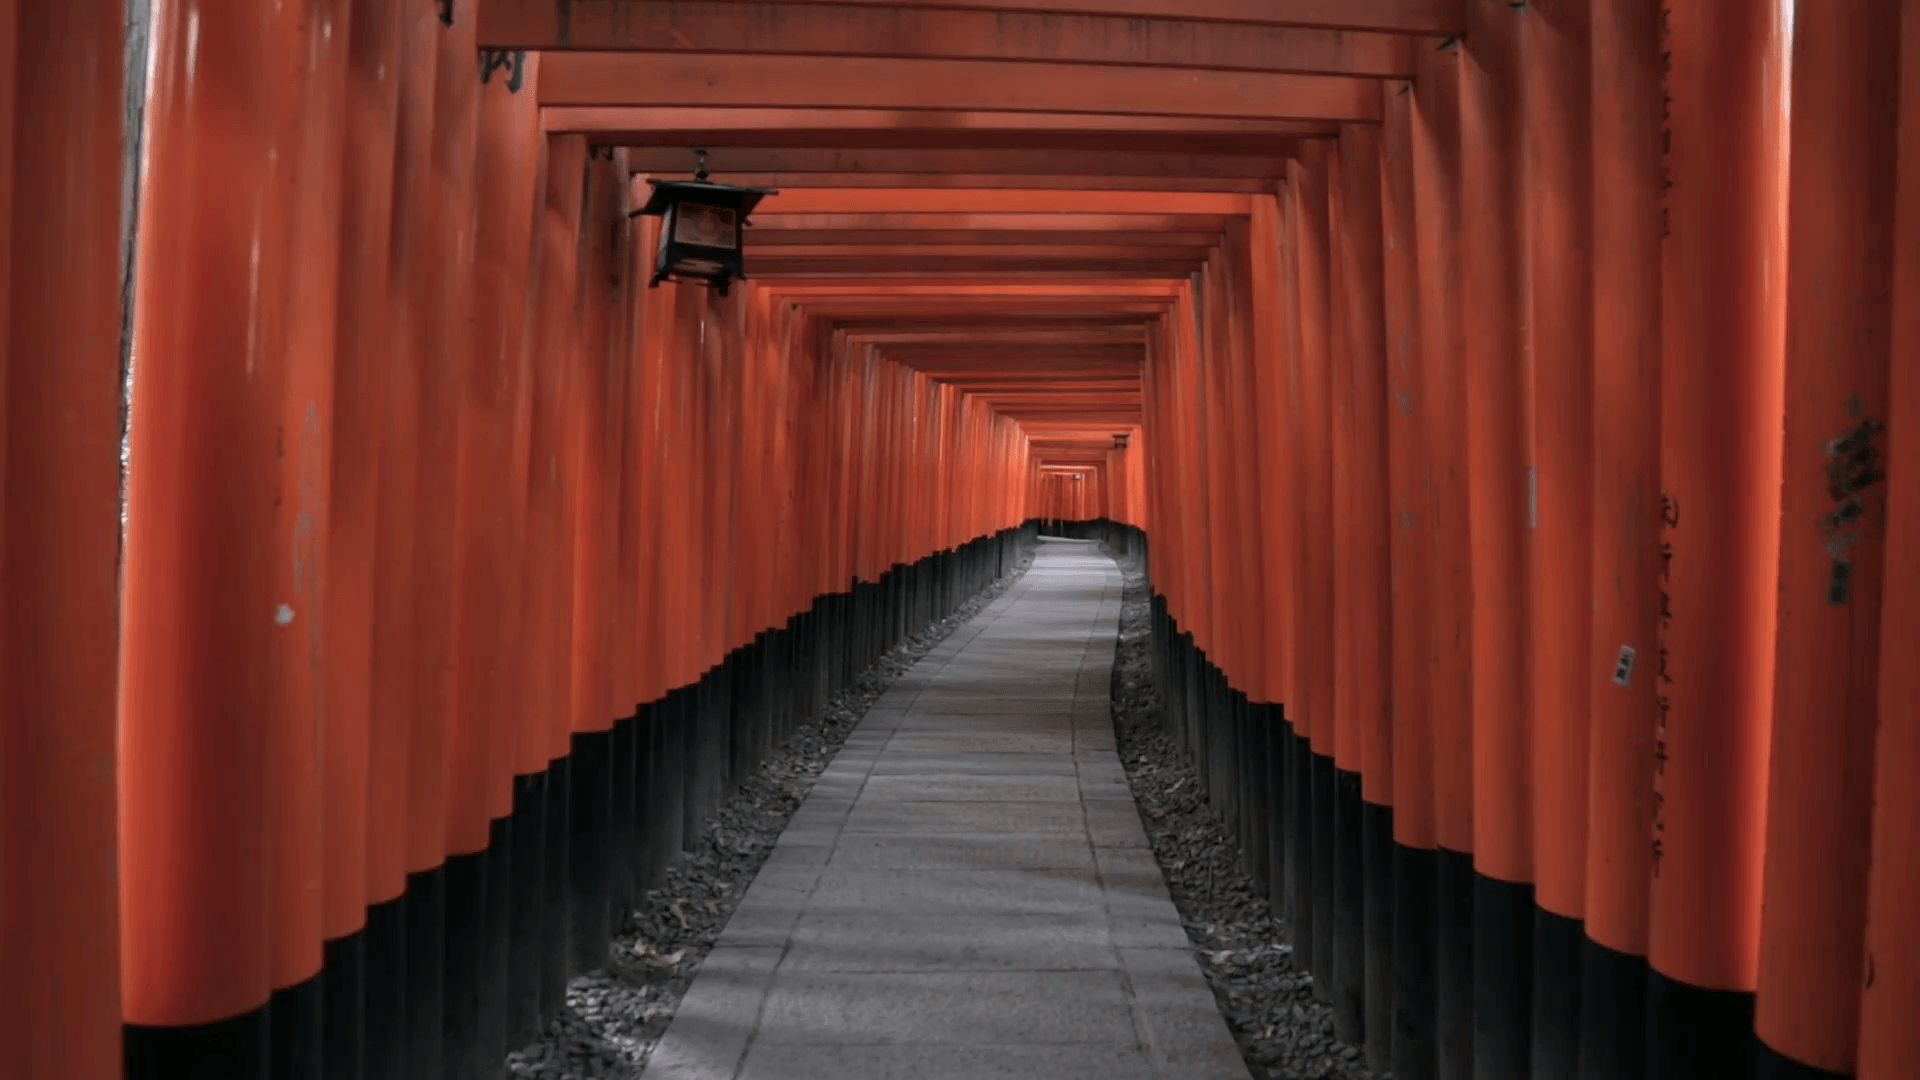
(283, 616)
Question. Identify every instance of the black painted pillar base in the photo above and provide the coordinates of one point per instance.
(1613, 1014)
(386, 991)
(1279, 808)
(1502, 977)
(1453, 964)
(1416, 955)
(497, 942)
(1321, 877)
(426, 911)
(1695, 1032)
(526, 899)
(1300, 851)
(343, 1008)
(296, 1015)
(591, 785)
(236, 1049)
(1377, 903)
(1349, 914)
(554, 928)
(466, 929)
(1556, 996)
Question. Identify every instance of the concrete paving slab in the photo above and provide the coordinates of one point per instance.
(916, 816)
(1036, 1008)
(912, 763)
(772, 1061)
(961, 851)
(967, 892)
(952, 943)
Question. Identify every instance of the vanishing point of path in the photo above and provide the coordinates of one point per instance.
(967, 892)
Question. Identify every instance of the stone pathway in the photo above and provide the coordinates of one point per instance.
(967, 892)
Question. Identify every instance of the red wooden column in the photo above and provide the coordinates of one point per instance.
(1558, 210)
(197, 605)
(1622, 669)
(60, 137)
(407, 663)
(1363, 606)
(1273, 457)
(1502, 500)
(1721, 406)
(1890, 983)
(309, 203)
(1314, 770)
(1436, 176)
(1412, 472)
(1846, 74)
(365, 762)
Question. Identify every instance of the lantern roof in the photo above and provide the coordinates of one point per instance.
(668, 192)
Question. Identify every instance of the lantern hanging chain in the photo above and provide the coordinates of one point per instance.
(700, 170)
(446, 12)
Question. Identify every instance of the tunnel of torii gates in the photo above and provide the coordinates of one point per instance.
(1510, 390)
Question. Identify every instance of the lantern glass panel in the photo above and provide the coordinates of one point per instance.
(706, 225)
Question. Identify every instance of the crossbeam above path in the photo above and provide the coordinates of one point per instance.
(632, 78)
(923, 128)
(560, 23)
(949, 33)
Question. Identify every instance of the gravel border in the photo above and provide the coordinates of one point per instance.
(1283, 1032)
(614, 1017)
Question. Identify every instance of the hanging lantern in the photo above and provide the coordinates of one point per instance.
(703, 231)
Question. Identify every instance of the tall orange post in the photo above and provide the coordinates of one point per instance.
(59, 476)
(1890, 983)
(550, 540)
(1437, 208)
(406, 730)
(14, 1024)
(1275, 461)
(1363, 515)
(365, 762)
(1624, 648)
(593, 481)
(309, 202)
(1503, 502)
(1411, 474)
(197, 613)
(1313, 778)
(496, 428)
(1721, 406)
(1846, 76)
(361, 923)
(1557, 206)
(448, 408)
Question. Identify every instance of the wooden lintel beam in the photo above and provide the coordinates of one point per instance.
(723, 162)
(863, 201)
(985, 273)
(882, 128)
(948, 33)
(970, 251)
(763, 238)
(556, 23)
(1166, 219)
(994, 181)
(632, 78)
